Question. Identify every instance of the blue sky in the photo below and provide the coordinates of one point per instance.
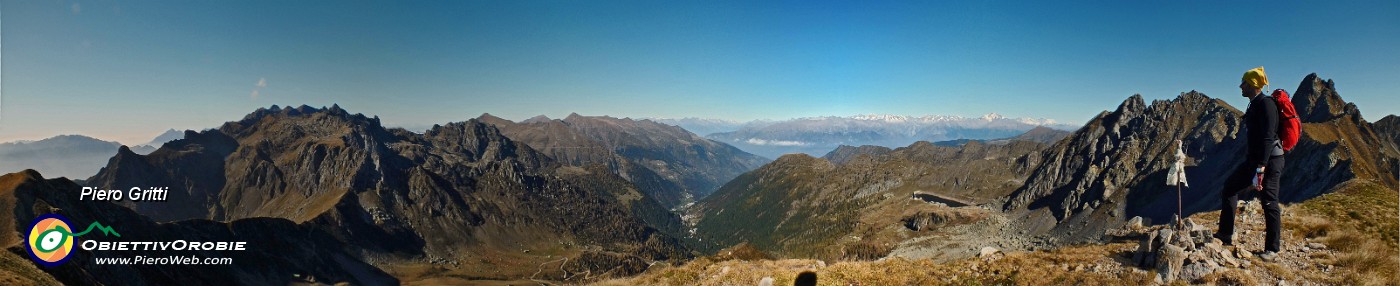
(127, 71)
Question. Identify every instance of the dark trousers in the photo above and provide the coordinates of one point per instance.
(1239, 184)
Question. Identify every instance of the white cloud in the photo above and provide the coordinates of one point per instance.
(756, 141)
(257, 88)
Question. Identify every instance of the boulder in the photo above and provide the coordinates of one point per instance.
(1184, 240)
(1169, 261)
(988, 251)
(1196, 271)
(1134, 223)
(1146, 252)
(1164, 236)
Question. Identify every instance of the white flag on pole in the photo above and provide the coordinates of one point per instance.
(1177, 173)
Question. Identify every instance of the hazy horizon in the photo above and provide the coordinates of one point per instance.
(419, 127)
(129, 71)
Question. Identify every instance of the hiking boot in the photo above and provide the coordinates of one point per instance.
(1268, 256)
(1223, 240)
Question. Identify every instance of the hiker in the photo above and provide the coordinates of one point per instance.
(1262, 166)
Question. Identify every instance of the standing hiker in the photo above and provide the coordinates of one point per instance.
(1262, 166)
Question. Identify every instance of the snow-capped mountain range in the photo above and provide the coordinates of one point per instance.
(818, 135)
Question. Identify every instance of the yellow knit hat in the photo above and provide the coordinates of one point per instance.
(1255, 77)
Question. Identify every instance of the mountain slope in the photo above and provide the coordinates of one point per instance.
(846, 153)
(800, 206)
(701, 165)
(72, 156)
(568, 146)
(276, 248)
(556, 139)
(455, 196)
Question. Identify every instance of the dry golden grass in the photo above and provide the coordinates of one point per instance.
(743, 251)
(1364, 260)
(1308, 226)
(18, 270)
(1231, 277)
(1359, 222)
(1066, 266)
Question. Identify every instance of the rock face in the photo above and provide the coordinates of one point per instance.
(1389, 127)
(276, 248)
(399, 197)
(1115, 166)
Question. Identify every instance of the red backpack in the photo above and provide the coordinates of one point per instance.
(1289, 127)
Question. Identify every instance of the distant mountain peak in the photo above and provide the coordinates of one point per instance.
(992, 116)
(487, 118)
(537, 118)
(1317, 100)
(167, 136)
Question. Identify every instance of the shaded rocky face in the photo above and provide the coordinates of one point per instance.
(271, 257)
(1389, 128)
(400, 197)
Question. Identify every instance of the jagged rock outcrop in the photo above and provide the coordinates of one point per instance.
(1317, 101)
(450, 196)
(276, 250)
(1114, 167)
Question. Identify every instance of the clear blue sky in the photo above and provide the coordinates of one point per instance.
(126, 71)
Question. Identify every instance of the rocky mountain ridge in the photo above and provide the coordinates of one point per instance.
(449, 198)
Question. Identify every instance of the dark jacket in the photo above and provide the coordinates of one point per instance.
(1261, 124)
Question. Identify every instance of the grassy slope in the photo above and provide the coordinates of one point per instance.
(18, 270)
